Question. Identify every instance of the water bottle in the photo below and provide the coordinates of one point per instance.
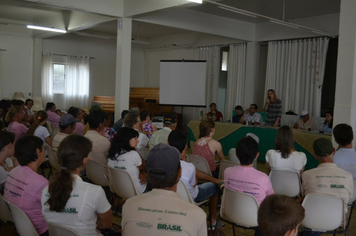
(201, 116)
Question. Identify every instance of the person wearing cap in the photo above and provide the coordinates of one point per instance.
(213, 110)
(251, 116)
(304, 122)
(345, 156)
(327, 178)
(236, 118)
(162, 211)
(67, 125)
(161, 136)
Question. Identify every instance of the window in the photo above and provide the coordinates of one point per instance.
(58, 78)
(224, 60)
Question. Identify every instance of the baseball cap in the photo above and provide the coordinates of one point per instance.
(254, 136)
(67, 119)
(165, 158)
(304, 113)
(170, 119)
(323, 147)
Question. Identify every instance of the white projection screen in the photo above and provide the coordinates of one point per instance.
(182, 83)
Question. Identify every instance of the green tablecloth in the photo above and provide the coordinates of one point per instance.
(265, 134)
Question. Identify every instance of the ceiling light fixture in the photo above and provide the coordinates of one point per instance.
(237, 11)
(285, 23)
(46, 29)
(196, 1)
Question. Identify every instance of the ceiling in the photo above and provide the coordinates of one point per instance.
(22, 13)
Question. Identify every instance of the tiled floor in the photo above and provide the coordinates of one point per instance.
(6, 230)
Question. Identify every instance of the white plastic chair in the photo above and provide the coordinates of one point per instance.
(285, 182)
(58, 230)
(200, 163)
(55, 131)
(96, 174)
(323, 212)
(37, 104)
(192, 145)
(18, 95)
(52, 159)
(238, 209)
(225, 164)
(23, 224)
(50, 127)
(5, 213)
(122, 183)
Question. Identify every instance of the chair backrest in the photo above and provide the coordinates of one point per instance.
(232, 155)
(122, 183)
(239, 208)
(18, 95)
(50, 127)
(183, 192)
(200, 163)
(323, 212)
(95, 173)
(55, 131)
(5, 213)
(225, 164)
(58, 230)
(192, 144)
(285, 182)
(52, 157)
(23, 224)
(37, 104)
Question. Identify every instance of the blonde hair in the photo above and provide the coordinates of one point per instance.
(12, 112)
(40, 116)
(275, 98)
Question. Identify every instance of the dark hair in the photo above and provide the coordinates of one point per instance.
(238, 107)
(279, 214)
(49, 105)
(6, 138)
(284, 141)
(121, 142)
(331, 113)
(246, 150)
(131, 119)
(15, 102)
(71, 153)
(26, 147)
(63, 127)
(255, 105)
(211, 104)
(74, 111)
(144, 114)
(167, 182)
(40, 116)
(178, 139)
(123, 113)
(28, 100)
(343, 134)
(95, 118)
(205, 127)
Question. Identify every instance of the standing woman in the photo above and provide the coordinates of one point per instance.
(70, 202)
(273, 108)
(13, 118)
(53, 117)
(285, 157)
(38, 129)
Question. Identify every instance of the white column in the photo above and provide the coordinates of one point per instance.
(37, 68)
(345, 93)
(251, 75)
(123, 66)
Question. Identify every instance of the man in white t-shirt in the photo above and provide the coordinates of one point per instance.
(161, 136)
(67, 124)
(251, 116)
(162, 211)
(304, 122)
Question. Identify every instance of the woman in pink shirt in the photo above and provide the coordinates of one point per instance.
(77, 113)
(13, 118)
(52, 115)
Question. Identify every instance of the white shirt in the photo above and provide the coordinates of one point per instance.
(345, 158)
(58, 139)
(42, 133)
(188, 178)
(3, 175)
(130, 161)
(160, 136)
(254, 118)
(141, 146)
(295, 162)
(85, 202)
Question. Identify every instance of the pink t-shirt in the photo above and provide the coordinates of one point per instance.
(18, 129)
(23, 188)
(53, 118)
(248, 180)
(79, 128)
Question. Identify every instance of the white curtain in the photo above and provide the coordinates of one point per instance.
(47, 79)
(77, 82)
(236, 74)
(295, 69)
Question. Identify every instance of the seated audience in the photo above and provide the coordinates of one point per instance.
(285, 157)
(279, 215)
(132, 120)
(13, 118)
(67, 125)
(214, 114)
(78, 115)
(59, 112)
(207, 147)
(147, 128)
(4, 106)
(251, 116)
(25, 113)
(28, 106)
(52, 116)
(161, 136)
(328, 123)
(117, 126)
(7, 141)
(304, 122)
(345, 156)
(24, 186)
(68, 200)
(236, 118)
(273, 108)
(123, 155)
(162, 209)
(38, 128)
(190, 175)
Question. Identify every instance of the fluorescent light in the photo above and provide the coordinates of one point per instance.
(285, 23)
(196, 1)
(238, 11)
(46, 28)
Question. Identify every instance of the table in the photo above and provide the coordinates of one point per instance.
(228, 134)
